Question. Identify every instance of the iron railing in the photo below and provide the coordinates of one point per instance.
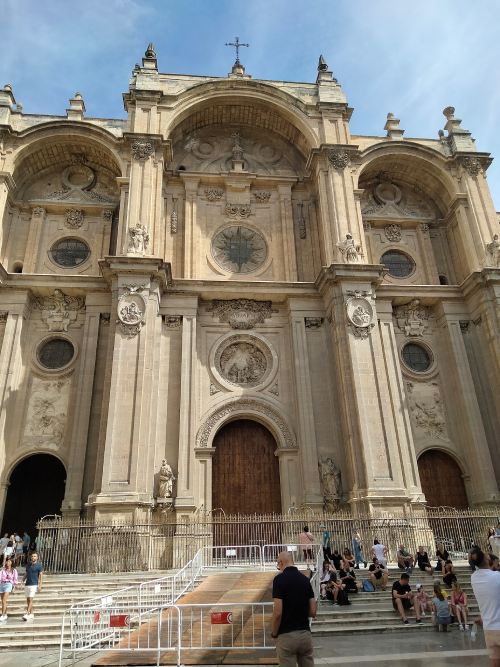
(85, 546)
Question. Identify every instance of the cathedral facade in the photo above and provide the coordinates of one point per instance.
(228, 301)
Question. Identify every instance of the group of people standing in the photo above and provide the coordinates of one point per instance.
(14, 553)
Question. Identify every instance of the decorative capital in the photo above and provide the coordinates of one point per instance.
(38, 212)
(142, 149)
(472, 166)
(339, 159)
(313, 322)
(172, 321)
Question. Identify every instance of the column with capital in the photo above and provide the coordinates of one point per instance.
(126, 486)
(190, 225)
(7, 187)
(287, 231)
(38, 215)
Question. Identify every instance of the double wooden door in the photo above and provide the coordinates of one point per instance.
(245, 470)
(441, 480)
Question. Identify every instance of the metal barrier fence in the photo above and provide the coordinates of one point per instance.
(139, 618)
(82, 546)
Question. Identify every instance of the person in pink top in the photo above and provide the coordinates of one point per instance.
(305, 541)
(8, 581)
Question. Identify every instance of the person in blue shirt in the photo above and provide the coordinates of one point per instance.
(326, 543)
(33, 583)
(26, 546)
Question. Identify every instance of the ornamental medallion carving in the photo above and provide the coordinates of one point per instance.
(241, 313)
(393, 233)
(74, 218)
(242, 363)
(214, 194)
(239, 249)
(59, 310)
(339, 159)
(359, 313)
(238, 210)
(131, 310)
(412, 318)
(245, 406)
(142, 149)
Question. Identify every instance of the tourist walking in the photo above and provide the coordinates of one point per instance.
(33, 584)
(357, 545)
(486, 587)
(293, 605)
(8, 581)
(26, 546)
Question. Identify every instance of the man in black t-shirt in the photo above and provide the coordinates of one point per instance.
(403, 599)
(293, 605)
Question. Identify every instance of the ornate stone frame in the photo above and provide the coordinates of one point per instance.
(246, 408)
(258, 341)
(408, 372)
(77, 236)
(54, 371)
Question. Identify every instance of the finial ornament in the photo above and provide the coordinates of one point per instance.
(150, 51)
(322, 65)
(449, 112)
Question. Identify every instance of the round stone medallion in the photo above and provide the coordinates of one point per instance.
(243, 361)
(239, 249)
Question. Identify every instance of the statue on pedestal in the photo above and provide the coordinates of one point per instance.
(165, 480)
(331, 481)
(350, 250)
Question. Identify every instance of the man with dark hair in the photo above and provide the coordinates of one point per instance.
(486, 586)
(403, 598)
(293, 605)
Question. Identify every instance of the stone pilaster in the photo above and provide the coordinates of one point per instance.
(190, 225)
(127, 476)
(375, 421)
(287, 231)
(38, 215)
(7, 186)
(303, 399)
(82, 400)
(468, 427)
(185, 483)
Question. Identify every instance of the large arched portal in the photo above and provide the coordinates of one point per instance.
(245, 477)
(36, 488)
(441, 480)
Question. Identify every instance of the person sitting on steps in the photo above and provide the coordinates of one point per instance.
(441, 612)
(423, 600)
(449, 575)
(378, 575)
(405, 559)
(423, 561)
(403, 599)
(459, 605)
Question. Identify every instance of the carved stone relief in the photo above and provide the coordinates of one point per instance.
(214, 194)
(38, 212)
(393, 233)
(426, 410)
(313, 322)
(59, 310)
(172, 321)
(78, 184)
(388, 200)
(131, 310)
(262, 196)
(359, 313)
(339, 159)
(301, 221)
(412, 318)
(173, 216)
(244, 406)
(138, 239)
(331, 483)
(142, 149)
(74, 218)
(47, 410)
(350, 251)
(238, 210)
(472, 165)
(242, 361)
(241, 313)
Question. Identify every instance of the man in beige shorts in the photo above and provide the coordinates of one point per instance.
(486, 587)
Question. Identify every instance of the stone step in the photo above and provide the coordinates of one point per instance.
(397, 626)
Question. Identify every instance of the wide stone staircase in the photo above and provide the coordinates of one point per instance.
(371, 612)
(59, 592)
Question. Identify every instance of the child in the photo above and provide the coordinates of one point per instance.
(441, 612)
(459, 605)
(423, 600)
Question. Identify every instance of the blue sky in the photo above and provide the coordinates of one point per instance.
(411, 58)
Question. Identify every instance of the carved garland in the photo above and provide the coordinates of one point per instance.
(241, 406)
(339, 159)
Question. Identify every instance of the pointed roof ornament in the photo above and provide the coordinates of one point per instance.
(237, 70)
(392, 127)
(149, 61)
(324, 74)
(150, 51)
(461, 138)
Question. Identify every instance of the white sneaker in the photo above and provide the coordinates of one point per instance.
(3, 617)
(25, 617)
(30, 617)
(461, 627)
(423, 613)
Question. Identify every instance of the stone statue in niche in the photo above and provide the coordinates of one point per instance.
(350, 250)
(494, 250)
(331, 482)
(166, 480)
(138, 239)
(243, 364)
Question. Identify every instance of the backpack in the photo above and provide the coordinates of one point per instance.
(368, 587)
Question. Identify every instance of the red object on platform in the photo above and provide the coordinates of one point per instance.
(97, 616)
(221, 617)
(119, 620)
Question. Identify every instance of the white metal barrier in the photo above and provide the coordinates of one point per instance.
(147, 618)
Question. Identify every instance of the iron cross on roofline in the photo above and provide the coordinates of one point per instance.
(237, 45)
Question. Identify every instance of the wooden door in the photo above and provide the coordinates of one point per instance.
(441, 480)
(245, 471)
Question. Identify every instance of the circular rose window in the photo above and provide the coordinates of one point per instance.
(398, 264)
(55, 353)
(239, 249)
(69, 252)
